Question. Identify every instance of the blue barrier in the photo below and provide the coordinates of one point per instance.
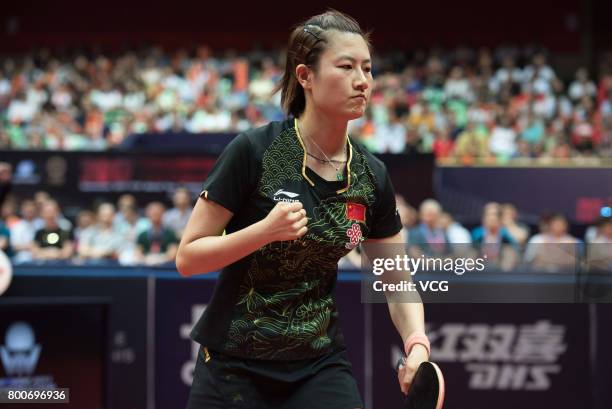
(150, 356)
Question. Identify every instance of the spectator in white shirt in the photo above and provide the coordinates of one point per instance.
(582, 86)
(85, 221)
(600, 249)
(22, 233)
(538, 76)
(459, 237)
(457, 86)
(177, 217)
(20, 110)
(130, 226)
(390, 137)
(507, 76)
(503, 139)
(555, 250)
(103, 241)
(125, 201)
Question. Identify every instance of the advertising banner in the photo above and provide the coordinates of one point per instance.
(51, 343)
(126, 338)
(495, 356)
(80, 178)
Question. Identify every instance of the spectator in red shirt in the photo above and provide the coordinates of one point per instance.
(443, 145)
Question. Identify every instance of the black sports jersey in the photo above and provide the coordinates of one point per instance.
(277, 303)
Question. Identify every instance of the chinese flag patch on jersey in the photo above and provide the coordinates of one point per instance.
(356, 211)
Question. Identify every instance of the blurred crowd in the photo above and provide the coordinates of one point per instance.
(502, 240)
(35, 230)
(465, 105)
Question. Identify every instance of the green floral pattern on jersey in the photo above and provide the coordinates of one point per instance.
(284, 309)
(281, 162)
(285, 305)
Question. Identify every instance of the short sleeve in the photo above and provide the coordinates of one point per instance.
(230, 183)
(386, 221)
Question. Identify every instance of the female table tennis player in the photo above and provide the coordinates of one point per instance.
(293, 197)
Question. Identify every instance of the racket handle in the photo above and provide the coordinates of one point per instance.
(400, 362)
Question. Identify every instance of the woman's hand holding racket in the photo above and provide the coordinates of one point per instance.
(422, 384)
(409, 366)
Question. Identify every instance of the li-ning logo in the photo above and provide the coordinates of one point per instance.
(20, 353)
(290, 196)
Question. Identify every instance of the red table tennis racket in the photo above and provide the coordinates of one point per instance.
(427, 388)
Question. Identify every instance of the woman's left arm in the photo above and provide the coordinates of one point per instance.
(408, 317)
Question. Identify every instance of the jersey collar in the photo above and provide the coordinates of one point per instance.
(348, 163)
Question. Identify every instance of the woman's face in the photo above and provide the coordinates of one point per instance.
(343, 81)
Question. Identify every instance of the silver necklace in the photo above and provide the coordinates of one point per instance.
(327, 160)
(324, 161)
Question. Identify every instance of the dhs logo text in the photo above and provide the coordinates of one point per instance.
(502, 356)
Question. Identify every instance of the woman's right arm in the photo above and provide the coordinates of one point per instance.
(203, 249)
